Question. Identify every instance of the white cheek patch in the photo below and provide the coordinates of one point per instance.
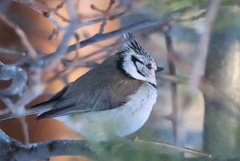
(145, 72)
(131, 69)
(140, 69)
(137, 70)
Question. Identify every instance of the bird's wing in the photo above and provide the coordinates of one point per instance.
(69, 104)
(110, 90)
(39, 108)
(54, 98)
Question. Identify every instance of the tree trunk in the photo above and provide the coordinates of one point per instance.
(221, 129)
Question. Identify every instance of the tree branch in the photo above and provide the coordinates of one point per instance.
(22, 36)
(13, 150)
(100, 37)
(13, 53)
(172, 71)
(204, 43)
(19, 77)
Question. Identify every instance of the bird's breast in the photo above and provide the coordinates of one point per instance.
(120, 121)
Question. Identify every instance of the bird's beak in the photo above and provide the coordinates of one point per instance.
(159, 69)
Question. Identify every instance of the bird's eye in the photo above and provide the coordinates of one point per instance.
(149, 66)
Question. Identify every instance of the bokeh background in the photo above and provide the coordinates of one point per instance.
(207, 117)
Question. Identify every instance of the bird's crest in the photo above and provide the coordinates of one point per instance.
(132, 44)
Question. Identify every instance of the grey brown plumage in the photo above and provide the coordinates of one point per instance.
(99, 94)
(112, 100)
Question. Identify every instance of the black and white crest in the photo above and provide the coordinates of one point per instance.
(132, 44)
(136, 61)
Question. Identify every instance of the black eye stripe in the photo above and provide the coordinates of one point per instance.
(134, 59)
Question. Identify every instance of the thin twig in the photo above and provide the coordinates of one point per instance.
(90, 22)
(21, 35)
(115, 45)
(77, 37)
(42, 9)
(82, 24)
(106, 15)
(62, 48)
(172, 71)
(97, 38)
(56, 23)
(201, 15)
(62, 17)
(4, 111)
(59, 28)
(10, 52)
(100, 37)
(187, 150)
(25, 130)
(204, 43)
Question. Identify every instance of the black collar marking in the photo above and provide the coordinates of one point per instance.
(153, 85)
(120, 65)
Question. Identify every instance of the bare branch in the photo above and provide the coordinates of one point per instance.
(174, 147)
(25, 130)
(14, 150)
(172, 71)
(91, 22)
(19, 77)
(16, 96)
(55, 31)
(4, 111)
(42, 9)
(100, 37)
(204, 43)
(63, 46)
(106, 16)
(21, 35)
(13, 53)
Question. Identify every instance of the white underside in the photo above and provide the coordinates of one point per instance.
(121, 121)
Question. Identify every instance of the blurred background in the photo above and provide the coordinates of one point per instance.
(201, 113)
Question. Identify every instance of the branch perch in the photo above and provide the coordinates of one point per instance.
(13, 150)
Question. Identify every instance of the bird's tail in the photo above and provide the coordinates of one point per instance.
(29, 111)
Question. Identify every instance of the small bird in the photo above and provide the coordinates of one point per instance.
(112, 100)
